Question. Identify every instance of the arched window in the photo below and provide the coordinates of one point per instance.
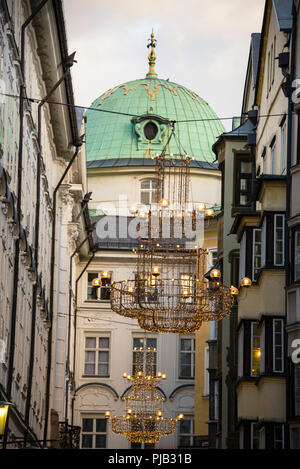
(148, 190)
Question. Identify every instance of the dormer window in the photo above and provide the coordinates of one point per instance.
(150, 130)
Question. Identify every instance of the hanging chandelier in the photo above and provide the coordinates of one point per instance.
(144, 421)
(168, 291)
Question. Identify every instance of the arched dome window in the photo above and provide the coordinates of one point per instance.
(148, 191)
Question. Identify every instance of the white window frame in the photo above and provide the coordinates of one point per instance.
(191, 434)
(252, 435)
(142, 337)
(297, 389)
(263, 242)
(275, 239)
(253, 323)
(192, 353)
(262, 349)
(94, 433)
(206, 372)
(297, 254)
(273, 158)
(256, 230)
(241, 352)
(243, 257)
(216, 400)
(97, 349)
(282, 440)
(283, 147)
(282, 345)
(151, 191)
(100, 288)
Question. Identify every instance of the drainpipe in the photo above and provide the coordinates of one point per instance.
(19, 205)
(69, 320)
(288, 214)
(52, 268)
(75, 324)
(69, 63)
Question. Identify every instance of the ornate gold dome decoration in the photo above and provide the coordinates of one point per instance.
(152, 92)
(152, 57)
(144, 421)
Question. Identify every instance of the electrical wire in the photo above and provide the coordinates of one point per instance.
(37, 101)
(99, 319)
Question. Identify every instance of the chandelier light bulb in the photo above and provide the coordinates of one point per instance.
(105, 274)
(215, 273)
(210, 213)
(96, 282)
(234, 291)
(155, 270)
(246, 282)
(201, 207)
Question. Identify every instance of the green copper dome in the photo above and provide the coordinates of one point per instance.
(115, 139)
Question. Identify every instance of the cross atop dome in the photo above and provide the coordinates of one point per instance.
(151, 57)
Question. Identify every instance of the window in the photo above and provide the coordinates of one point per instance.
(186, 288)
(242, 269)
(255, 349)
(150, 130)
(93, 433)
(279, 240)
(102, 292)
(257, 253)
(274, 59)
(273, 158)
(141, 357)
(186, 431)
(216, 400)
(283, 149)
(148, 191)
(243, 185)
(187, 358)
(297, 389)
(96, 356)
(214, 257)
(206, 373)
(297, 254)
(254, 435)
(241, 351)
(278, 436)
(278, 353)
(295, 438)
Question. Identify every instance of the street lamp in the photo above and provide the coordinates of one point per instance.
(4, 408)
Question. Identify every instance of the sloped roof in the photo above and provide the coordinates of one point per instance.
(283, 10)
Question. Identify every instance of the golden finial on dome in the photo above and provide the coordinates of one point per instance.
(151, 57)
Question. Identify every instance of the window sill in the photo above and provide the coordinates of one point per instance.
(95, 376)
(189, 378)
(97, 301)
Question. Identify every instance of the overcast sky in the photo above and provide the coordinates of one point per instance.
(202, 44)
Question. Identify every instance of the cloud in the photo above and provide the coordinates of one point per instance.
(202, 44)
